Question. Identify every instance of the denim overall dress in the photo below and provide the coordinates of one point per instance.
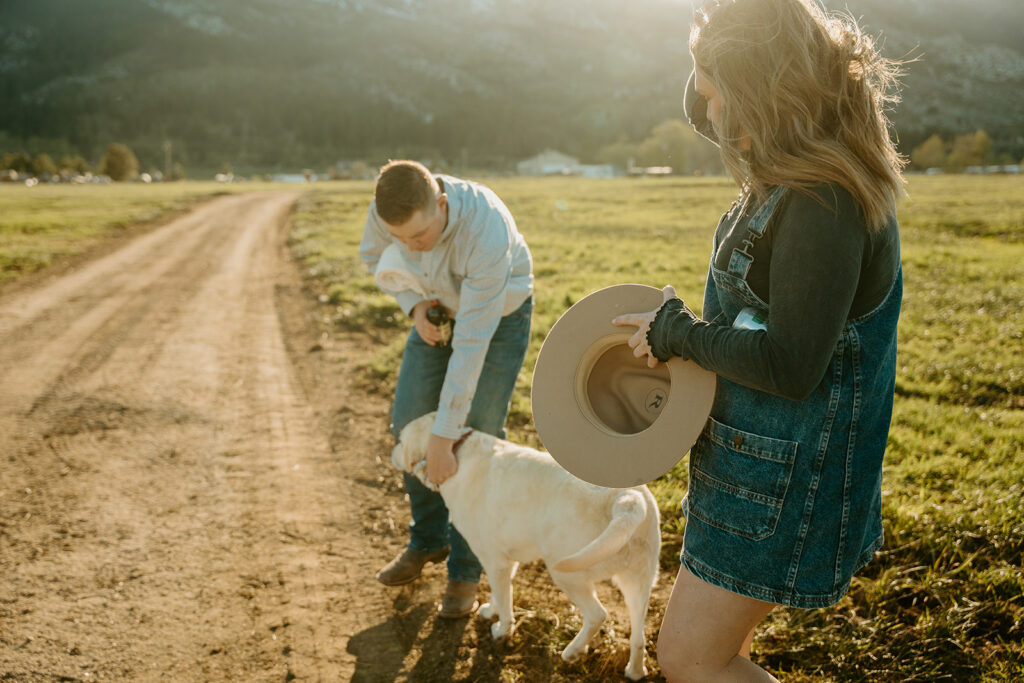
(784, 498)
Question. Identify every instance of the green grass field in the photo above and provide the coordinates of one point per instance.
(43, 225)
(944, 600)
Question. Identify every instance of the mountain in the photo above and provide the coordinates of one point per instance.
(291, 83)
(968, 68)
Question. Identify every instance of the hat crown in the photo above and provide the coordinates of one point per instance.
(601, 413)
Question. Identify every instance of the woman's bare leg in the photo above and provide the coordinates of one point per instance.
(706, 633)
(745, 648)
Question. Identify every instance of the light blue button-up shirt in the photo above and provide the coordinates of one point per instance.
(480, 268)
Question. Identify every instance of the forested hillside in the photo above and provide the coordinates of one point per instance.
(286, 83)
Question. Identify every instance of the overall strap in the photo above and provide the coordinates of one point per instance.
(741, 259)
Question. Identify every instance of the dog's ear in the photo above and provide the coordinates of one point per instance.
(399, 458)
(419, 432)
(404, 449)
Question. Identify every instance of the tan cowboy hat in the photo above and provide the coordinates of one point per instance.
(600, 412)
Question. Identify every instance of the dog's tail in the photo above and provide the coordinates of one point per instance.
(628, 513)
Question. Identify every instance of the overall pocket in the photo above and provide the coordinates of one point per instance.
(738, 480)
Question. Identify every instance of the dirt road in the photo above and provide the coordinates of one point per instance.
(193, 487)
(178, 499)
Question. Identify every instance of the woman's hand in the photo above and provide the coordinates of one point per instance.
(428, 331)
(642, 321)
(441, 462)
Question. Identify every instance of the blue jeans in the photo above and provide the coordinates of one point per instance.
(418, 393)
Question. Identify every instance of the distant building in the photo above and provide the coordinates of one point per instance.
(655, 171)
(293, 178)
(598, 171)
(548, 162)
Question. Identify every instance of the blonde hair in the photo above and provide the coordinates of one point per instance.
(403, 188)
(810, 90)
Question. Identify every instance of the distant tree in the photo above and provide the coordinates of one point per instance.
(73, 164)
(668, 145)
(16, 161)
(177, 171)
(930, 153)
(43, 166)
(620, 154)
(361, 170)
(982, 147)
(226, 168)
(972, 149)
(119, 163)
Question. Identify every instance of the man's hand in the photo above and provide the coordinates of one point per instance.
(642, 321)
(441, 462)
(427, 330)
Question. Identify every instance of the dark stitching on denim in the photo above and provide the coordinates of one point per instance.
(738, 491)
(741, 259)
(844, 524)
(762, 593)
(819, 461)
(787, 457)
(739, 263)
(800, 601)
(753, 535)
(755, 231)
(764, 213)
(868, 554)
(742, 290)
(870, 314)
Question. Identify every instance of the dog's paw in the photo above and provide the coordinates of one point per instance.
(574, 652)
(635, 673)
(486, 610)
(499, 630)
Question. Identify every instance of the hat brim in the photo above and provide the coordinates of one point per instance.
(608, 440)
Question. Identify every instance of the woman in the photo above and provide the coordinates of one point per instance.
(799, 323)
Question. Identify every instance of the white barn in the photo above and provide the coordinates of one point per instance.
(548, 162)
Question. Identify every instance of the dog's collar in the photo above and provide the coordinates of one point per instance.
(422, 464)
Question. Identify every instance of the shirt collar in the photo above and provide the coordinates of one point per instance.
(454, 209)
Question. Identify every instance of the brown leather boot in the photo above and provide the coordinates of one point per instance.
(459, 600)
(407, 567)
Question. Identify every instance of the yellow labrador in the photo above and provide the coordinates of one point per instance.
(515, 504)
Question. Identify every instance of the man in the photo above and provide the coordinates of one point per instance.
(462, 246)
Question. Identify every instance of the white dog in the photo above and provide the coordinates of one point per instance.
(515, 504)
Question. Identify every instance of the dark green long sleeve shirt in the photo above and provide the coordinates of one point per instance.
(816, 267)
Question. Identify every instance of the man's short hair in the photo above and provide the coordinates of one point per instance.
(403, 188)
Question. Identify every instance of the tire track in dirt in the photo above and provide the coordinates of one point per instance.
(170, 507)
(85, 313)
